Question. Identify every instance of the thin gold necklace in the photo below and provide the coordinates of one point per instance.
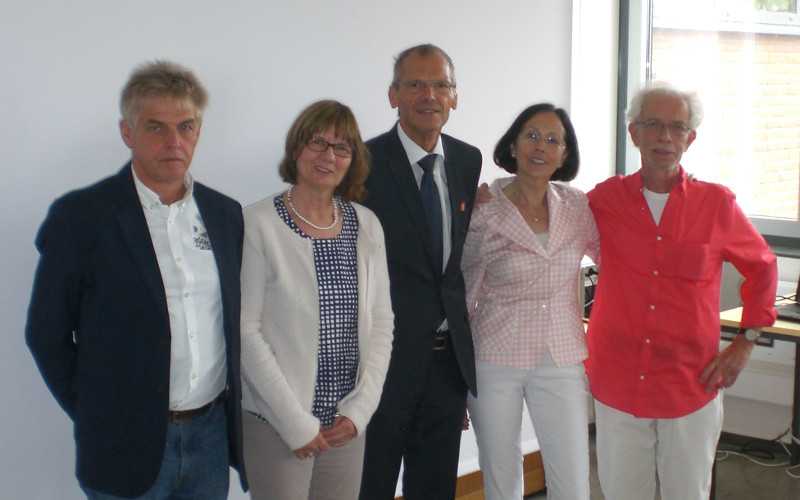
(528, 204)
(300, 216)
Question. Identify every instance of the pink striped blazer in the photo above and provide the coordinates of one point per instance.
(523, 297)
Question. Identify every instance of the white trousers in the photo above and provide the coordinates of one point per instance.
(558, 404)
(275, 473)
(632, 451)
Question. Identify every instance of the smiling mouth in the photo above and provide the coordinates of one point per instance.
(324, 170)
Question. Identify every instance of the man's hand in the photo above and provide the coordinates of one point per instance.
(342, 431)
(483, 195)
(725, 367)
(316, 446)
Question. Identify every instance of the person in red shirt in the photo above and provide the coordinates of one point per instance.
(655, 368)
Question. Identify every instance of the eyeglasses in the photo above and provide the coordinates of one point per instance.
(678, 129)
(534, 136)
(320, 145)
(438, 86)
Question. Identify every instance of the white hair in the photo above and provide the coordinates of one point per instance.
(663, 88)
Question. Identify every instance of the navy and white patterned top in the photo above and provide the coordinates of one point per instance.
(335, 260)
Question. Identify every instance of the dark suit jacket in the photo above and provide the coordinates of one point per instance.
(98, 327)
(421, 296)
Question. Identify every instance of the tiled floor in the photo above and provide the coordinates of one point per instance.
(737, 479)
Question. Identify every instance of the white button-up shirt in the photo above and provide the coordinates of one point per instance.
(191, 282)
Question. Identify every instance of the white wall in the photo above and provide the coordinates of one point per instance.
(65, 62)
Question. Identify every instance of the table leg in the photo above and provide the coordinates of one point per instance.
(795, 447)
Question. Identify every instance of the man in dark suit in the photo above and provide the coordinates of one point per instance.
(134, 317)
(422, 185)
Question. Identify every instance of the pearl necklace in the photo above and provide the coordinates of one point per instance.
(299, 216)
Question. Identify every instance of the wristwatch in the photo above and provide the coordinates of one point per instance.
(751, 334)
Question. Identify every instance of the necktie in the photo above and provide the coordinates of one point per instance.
(433, 208)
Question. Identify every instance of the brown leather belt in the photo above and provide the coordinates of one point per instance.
(441, 341)
(177, 417)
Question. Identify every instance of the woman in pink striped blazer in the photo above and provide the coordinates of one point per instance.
(521, 263)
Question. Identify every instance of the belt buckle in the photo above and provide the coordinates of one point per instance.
(440, 342)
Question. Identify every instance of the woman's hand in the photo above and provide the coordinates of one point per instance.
(342, 431)
(316, 446)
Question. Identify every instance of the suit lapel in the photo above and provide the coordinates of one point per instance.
(457, 195)
(561, 219)
(136, 234)
(215, 223)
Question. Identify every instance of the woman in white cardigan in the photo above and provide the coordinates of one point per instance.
(316, 316)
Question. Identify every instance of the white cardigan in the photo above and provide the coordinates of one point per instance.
(280, 323)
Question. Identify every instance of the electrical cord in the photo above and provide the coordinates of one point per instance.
(751, 452)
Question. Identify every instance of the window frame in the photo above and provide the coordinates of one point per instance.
(635, 33)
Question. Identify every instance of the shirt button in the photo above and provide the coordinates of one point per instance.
(652, 307)
(194, 376)
(544, 306)
(646, 341)
(655, 272)
(186, 295)
(178, 259)
(641, 377)
(658, 238)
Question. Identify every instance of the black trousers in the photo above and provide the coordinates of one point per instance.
(424, 431)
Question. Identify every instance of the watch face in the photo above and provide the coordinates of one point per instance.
(752, 334)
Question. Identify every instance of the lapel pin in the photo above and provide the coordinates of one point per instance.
(462, 206)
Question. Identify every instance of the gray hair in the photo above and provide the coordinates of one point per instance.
(663, 88)
(423, 50)
(161, 79)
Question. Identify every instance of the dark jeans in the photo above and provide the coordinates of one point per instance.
(195, 463)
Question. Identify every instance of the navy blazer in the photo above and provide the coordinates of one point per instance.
(422, 296)
(98, 328)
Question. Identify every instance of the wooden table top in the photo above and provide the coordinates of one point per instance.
(782, 327)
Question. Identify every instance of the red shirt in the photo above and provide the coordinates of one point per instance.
(655, 321)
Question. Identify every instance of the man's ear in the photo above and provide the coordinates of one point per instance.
(393, 100)
(690, 138)
(632, 132)
(126, 133)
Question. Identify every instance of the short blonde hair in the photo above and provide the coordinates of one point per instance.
(161, 79)
(317, 118)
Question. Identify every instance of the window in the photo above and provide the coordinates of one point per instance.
(743, 58)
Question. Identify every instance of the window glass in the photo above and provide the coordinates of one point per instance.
(749, 82)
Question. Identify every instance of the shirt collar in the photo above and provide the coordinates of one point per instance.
(413, 150)
(636, 184)
(150, 200)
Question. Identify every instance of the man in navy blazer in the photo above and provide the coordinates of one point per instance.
(134, 316)
(422, 186)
